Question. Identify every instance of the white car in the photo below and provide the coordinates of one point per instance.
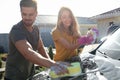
(111, 46)
(107, 57)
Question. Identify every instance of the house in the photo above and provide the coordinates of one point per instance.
(103, 20)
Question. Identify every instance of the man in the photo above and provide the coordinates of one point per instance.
(112, 28)
(26, 47)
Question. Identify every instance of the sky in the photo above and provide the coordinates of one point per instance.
(10, 11)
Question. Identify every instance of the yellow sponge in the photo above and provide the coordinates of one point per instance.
(74, 70)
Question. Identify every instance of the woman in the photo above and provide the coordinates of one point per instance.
(65, 35)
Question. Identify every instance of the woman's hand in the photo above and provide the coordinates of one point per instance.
(82, 40)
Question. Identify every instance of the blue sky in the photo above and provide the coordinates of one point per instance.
(10, 12)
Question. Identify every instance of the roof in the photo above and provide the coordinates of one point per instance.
(46, 19)
(52, 19)
(117, 10)
(108, 14)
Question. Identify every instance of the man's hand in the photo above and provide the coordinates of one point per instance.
(60, 68)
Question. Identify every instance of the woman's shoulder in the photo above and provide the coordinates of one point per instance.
(56, 30)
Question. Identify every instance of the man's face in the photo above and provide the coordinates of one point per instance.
(28, 15)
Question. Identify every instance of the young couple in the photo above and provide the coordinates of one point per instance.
(26, 47)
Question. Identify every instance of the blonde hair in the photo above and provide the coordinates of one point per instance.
(74, 28)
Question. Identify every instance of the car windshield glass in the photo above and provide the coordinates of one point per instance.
(112, 44)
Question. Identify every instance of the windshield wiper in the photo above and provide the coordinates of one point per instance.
(103, 53)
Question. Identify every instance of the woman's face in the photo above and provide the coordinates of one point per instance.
(66, 19)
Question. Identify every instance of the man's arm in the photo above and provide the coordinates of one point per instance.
(26, 50)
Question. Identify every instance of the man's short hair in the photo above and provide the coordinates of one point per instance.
(28, 3)
(110, 23)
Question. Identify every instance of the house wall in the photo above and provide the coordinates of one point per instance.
(84, 28)
(45, 32)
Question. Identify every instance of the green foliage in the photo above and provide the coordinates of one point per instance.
(0, 62)
(50, 52)
(1, 74)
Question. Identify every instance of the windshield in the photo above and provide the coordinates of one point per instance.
(111, 46)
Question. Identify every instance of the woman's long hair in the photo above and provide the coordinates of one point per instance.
(74, 27)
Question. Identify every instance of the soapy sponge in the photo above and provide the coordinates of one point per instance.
(74, 70)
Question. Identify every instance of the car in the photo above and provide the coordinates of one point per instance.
(106, 56)
(110, 47)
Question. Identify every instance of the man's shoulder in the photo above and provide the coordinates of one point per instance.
(16, 28)
(114, 27)
(18, 25)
